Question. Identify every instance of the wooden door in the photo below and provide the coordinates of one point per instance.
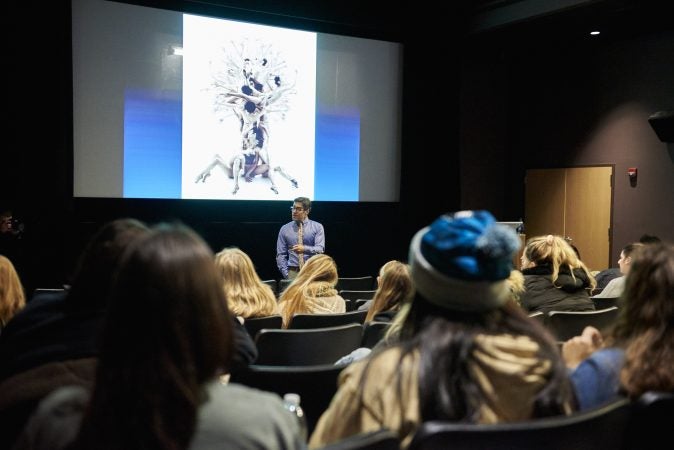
(545, 195)
(588, 213)
(574, 202)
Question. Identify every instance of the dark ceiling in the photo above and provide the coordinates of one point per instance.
(500, 20)
(565, 21)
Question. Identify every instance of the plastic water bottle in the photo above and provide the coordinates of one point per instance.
(291, 402)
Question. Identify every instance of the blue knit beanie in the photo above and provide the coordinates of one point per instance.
(462, 259)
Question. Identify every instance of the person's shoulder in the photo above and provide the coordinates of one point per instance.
(285, 226)
(382, 365)
(237, 402)
(235, 393)
(613, 288)
(615, 282)
(225, 419)
(41, 309)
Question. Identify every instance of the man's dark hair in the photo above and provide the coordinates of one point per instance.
(306, 203)
(649, 239)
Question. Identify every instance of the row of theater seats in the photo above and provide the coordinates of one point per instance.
(324, 338)
(303, 361)
(365, 283)
(313, 346)
(642, 424)
(566, 324)
(302, 321)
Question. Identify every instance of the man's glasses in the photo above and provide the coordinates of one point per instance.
(296, 208)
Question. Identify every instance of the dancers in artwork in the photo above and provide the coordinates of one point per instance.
(254, 90)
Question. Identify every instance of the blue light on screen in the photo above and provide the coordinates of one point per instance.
(337, 155)
(153, 149)
(152, 144)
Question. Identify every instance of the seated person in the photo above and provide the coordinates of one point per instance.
(636, 355)
(554, 278)
(12, 295)
(603, 277)
(246, 294)
(166, 341)
(313, 290)
(465, 352)
(394, 286)
(615, 287)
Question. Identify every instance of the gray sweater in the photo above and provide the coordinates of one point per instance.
(233, 417)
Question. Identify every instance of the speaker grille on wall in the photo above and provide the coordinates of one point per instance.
(663, 125)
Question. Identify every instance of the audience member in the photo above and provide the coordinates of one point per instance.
(12, 296)
(64, 326)
(12, 244)
(53, 340)
(515, 282)
(466, 352)
(247, 296)
(575, 249)
(638, 353)
(167, 338)
(554, 278)
(649, 239)
(394, 286)
(615, 287)
(313, 290)
(394, 290)
(604, 277)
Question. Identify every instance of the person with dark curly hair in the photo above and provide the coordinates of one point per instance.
(637, 355)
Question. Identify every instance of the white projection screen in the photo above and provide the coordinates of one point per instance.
(168, 105)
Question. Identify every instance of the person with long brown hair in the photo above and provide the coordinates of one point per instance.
(313, 290)
(394, 286)
(247, 296)
(554, 277)
(167, 340)
(12, 295)
(637, 355)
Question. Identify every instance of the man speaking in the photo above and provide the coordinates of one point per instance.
(298, 240)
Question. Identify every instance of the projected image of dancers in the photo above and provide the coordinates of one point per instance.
(254, 88)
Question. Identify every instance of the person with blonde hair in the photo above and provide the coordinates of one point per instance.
(394, 286)
(247, 295)
(554, 278)
(12, 296)
(313, 290)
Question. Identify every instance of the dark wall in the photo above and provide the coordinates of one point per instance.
(565, 104)
(37, 160)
